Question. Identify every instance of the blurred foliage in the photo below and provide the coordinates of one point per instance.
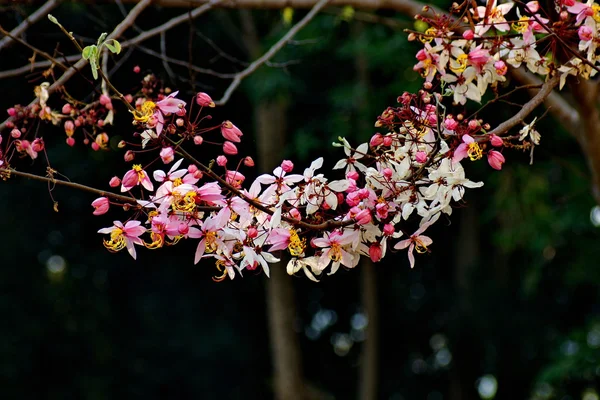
(515, 300)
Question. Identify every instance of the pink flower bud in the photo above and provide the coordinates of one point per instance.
(198, 140)
(376, 140)
(234, 178)
(129, 98)
(294, 213)
(181, 112)
(364, 194)
(496, 141)
(468, 34)
(129, 156)
(421, 55)
(473, 124)
(95, 146)
(37, 145)
(421, 157)
(198, 174)
(388, 229)
(221, 161)
(101, 205)
(179, 122)
(69, 128)
(192, 169)
(375, 252)
(388, 173)
(137, 69)
(229, 148)
(71, 141)
(252, 232)
(450, 124)
(66, 109)
(104, 99)
(248, 162)
(352, 175)
(78, 122)
(231, 132)
(427, 85)
(387, 141)
(12, 112)
(204, 100)
(167, 155)
(15, 133)
(114, 181)
(10, 125)
(287, 165)
(495, 159)
(363, 217)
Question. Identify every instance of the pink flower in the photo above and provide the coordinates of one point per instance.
(332, 247)
(71, 141)
(501, 68)
(15, 133)
(363, 217)
(495, 159)
(450, 124)
(12, 112)
(198, 140)
(496, 141)
(376, 140)
(114, 181)
(221, 161)
(135, 176)
(101, 205)
(248, 162)
(585, 33)
(204, 100)
(170, 105)
(421, 157)
(375, 252)
(66, 109)
(229, 148)
(464, 148)
(287, 166)
(234, 178)
(122, 236)
(418, 241)
(25, 146)
(167, 155)
(231, 132)
(468, 34)
(478, 57)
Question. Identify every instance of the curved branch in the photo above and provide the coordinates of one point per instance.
(527, 108)
(32, 19)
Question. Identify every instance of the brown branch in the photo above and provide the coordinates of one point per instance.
(39, 64)
(527, 108)
(272, 51)
(78, 186)
(32, 48)
(32, 19)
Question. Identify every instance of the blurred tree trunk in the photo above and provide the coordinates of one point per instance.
(270, 130)
(369, 358)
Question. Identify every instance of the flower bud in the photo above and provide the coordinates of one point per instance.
(427, 85)
(167, 155)
(66, 109)
(287, 165)
(129, 98)
(363, 217)
(252, 232)
(137, 69)
(376, 140)
(12, 112)
(495, 159)
(387, 141)
(375, 252)
(468, 34)
(221, 161)
(183, 228)
(585, 33)
(69, 128)
(15, 133)
(129, 156)
(198, 140)
(95, 146)
(179, 122)
(101, 205)
(421, 157)
(496, 141)
(192, 169)
(248, 161)
(71, 141)
(229, 148)
(204, 100)
(294, 213)
(352, 175)
(231, 132)
(122, 144)
(388, 172)
(104, 99)
(114, 181)
(37, 145)
(450, 124)
(388, 229)
(473, 124)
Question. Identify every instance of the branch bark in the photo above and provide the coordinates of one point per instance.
(32, 19)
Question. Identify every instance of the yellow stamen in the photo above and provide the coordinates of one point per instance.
(146, 112)
(420, 247)
(460, 65)
(221, 267)
(177, 182)
(428, 36)
(157, 241)
(596, 10)
(117, 241)
(336, 252)
(210, 241)
(521, 25)
(474, 151)
(297, 245)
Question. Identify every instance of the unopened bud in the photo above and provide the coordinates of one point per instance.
(114, 181)
(129, 156)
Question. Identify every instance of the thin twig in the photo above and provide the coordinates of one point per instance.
(528, 107)
(272, 51)
(32, 48)
(32, 19)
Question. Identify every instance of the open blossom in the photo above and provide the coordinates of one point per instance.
(101, 205)
(124, 236)
(468, 147)
(416, 241)
(332, 245)
(495, 17)
(135, 176)
(170, 104)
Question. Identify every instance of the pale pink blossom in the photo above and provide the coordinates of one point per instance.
(135, 176)
(122, 236)
(416, 241)
(170, 104)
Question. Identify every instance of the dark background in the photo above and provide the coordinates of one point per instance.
(509, 293)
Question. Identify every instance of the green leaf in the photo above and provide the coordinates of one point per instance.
(94, 67)
(87, 52)
(113, 45)
(52, 19)
(102, 38)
